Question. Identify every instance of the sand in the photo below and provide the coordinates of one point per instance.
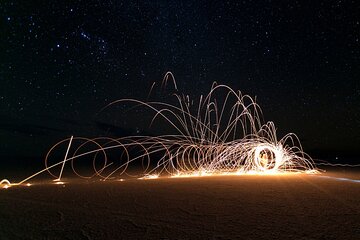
(232, 207)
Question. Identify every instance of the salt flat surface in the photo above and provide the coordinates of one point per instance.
(227, 207)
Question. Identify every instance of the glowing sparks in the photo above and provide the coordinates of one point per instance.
(5, 183)
(58, 181)
(152, 176)
(221, 133)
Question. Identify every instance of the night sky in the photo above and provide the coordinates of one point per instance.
(62, 61)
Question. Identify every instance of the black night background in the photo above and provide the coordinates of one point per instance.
(61, 62)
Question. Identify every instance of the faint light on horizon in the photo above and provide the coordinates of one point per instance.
(342, 179)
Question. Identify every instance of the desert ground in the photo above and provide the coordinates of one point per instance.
(325, 206)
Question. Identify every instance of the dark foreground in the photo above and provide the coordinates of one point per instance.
(239, 207)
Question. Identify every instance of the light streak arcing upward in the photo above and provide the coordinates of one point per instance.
(221, 133)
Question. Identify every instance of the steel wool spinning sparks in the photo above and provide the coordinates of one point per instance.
(221, 133)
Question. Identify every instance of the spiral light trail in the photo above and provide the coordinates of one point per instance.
(221, 133)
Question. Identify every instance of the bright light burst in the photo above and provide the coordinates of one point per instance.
(221, 133)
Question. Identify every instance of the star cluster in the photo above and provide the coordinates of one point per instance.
(61, 62)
